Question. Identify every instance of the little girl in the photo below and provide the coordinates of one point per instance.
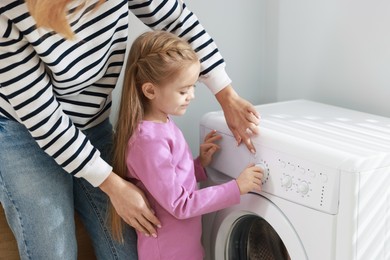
(151, 151)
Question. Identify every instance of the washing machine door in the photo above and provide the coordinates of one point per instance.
(256, 229)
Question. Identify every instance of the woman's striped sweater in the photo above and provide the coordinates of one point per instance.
(57, 87)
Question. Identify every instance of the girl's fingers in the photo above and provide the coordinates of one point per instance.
(208, 146)
(212, 136)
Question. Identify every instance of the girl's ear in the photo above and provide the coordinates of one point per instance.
(148, 90)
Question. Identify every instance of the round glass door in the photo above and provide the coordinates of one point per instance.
(253, 238)
(255, 229)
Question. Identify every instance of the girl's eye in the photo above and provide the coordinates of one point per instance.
(186, 92)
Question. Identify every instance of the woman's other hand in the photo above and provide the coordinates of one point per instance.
(131, 204)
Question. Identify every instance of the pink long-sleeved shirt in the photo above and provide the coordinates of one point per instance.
(161, 164)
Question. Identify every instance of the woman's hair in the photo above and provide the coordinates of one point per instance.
(52, 14)
(155, 57)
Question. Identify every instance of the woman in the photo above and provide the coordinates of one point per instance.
(59, 62)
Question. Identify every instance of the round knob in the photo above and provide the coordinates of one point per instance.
(303, 187)
(287, 181)
(265, 171)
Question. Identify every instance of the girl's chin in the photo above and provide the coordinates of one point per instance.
(180, 112)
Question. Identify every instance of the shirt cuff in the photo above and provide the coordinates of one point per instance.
(200, 172)
(216, 80)
(97, 172)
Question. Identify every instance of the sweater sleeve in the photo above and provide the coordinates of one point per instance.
(174, 16)
(26, 89)
(166, 185)
(200, 172)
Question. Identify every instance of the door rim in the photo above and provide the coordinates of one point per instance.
(258, 205)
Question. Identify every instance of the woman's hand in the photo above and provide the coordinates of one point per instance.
(241, 116)
(131, 204)
(208, 148)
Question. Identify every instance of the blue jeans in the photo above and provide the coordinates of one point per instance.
(39, 199)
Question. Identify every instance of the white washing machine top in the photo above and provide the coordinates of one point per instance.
(351, 140)
(304, 146)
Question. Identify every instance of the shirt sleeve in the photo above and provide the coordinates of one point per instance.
(200, 172)
(160, 178)
(26, 90)
(175, 17)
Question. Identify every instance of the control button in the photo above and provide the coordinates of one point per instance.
(287, 181)
(312, 173)
(303, 187)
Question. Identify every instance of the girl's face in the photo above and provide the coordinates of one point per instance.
(174, 97)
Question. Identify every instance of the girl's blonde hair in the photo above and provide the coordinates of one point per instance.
(52, 14)
(155, 57)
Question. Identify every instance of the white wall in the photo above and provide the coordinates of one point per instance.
(238, 29)
(333, 51)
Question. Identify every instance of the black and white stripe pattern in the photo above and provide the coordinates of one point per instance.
(55, 86)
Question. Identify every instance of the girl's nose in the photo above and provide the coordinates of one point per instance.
(191, 94)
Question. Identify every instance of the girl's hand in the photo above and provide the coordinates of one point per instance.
(250, 179)
(209, 147)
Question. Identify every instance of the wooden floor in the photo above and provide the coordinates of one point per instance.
(9, 250)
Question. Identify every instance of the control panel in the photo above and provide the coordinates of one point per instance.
(284, 175)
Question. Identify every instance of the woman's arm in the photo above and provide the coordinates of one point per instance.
(27, 94)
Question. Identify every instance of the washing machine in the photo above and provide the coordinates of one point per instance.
(325, 191)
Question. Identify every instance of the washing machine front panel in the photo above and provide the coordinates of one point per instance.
(298, 226)
(253, 206)
(288, 176)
